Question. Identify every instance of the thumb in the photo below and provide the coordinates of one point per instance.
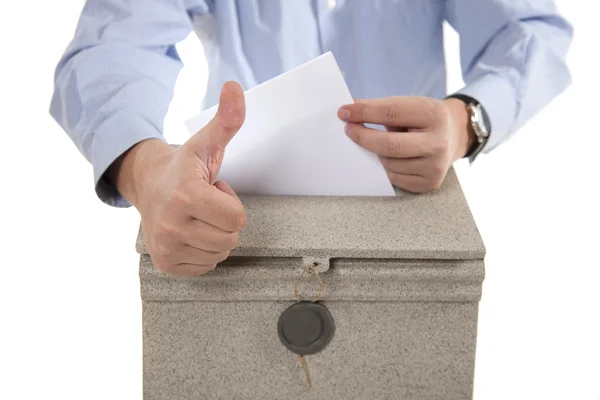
(227, 121)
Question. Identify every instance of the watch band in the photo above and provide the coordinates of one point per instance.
(479, 144)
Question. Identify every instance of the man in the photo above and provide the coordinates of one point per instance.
(115, 81)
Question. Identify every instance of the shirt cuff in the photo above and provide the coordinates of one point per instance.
(113, 137)
(499, 99)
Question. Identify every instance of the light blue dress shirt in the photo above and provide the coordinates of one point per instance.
(115, 81)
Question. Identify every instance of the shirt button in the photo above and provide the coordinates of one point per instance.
(331, 4)
(344, 74)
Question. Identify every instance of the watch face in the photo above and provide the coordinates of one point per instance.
(477, 122)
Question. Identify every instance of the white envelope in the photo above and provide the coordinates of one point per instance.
(293, 143)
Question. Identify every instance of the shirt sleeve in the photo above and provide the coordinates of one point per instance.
(512, 58)
(115, 81)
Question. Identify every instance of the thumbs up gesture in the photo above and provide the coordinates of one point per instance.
(190, 221)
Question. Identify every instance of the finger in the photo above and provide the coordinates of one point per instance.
(412, 183)
(192, 255)
(218, 209)
(419, 166)
(410, 111)
(225, 124)
(190, 269)
(224, 187)
(202, 235)
(388, 144)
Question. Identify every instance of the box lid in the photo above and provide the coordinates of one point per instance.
(405, 248)
(432, 226)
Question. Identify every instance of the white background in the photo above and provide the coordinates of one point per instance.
(70, 324)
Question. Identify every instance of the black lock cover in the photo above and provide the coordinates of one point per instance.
(306, 327)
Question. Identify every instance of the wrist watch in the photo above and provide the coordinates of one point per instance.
(480, 123)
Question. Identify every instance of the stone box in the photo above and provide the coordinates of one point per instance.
(401, 278)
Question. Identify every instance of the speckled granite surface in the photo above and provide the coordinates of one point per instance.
(347, 279)
(381, 350)
(402, 280)
(429, 226)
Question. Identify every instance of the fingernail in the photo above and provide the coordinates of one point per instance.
(347, 129)
(344, 114)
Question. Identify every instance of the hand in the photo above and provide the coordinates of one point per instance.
(189, 222)
(424, 137)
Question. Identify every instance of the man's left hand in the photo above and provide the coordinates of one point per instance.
(424, 137)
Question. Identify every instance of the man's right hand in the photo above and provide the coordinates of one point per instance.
(189, 222)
